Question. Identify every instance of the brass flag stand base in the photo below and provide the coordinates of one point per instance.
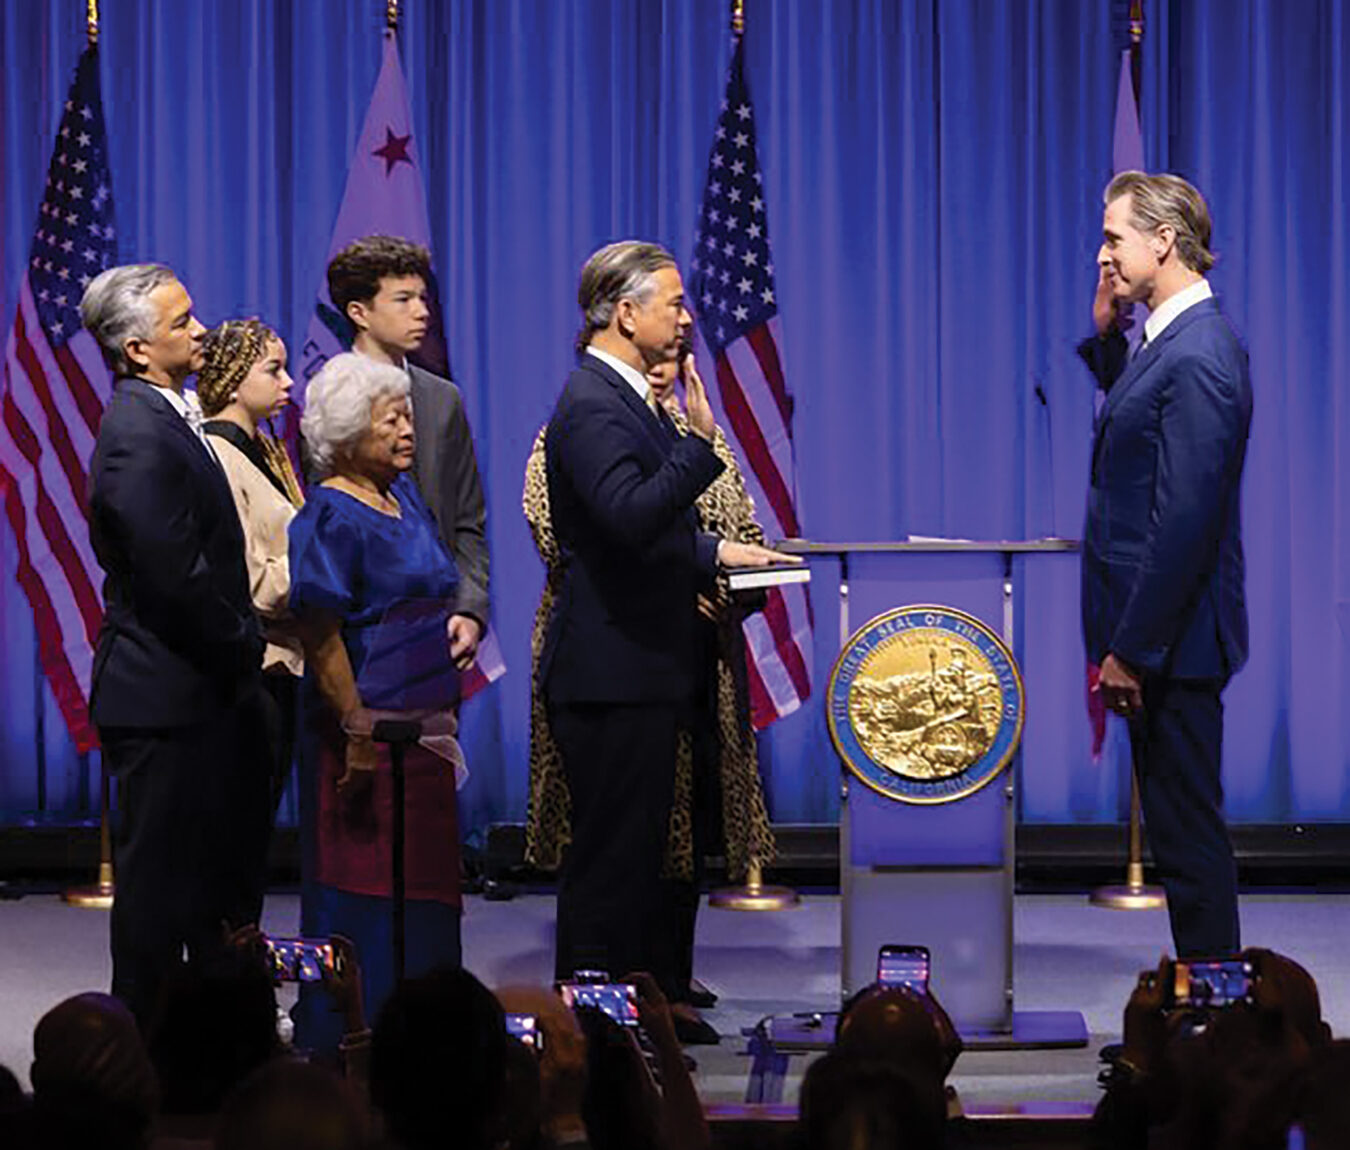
(100, 895)
(754, 895)
(1134, 895)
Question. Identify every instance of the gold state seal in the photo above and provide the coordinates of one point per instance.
(925, 704)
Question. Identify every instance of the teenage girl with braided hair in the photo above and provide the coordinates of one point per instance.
(243, 383)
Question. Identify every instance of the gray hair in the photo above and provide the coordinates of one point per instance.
(116, 307)
(1166, 199)
(622, 270)
(338, 402)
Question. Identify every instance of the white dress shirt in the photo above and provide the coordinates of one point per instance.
(189, 407)
(635, 379)
(1173, 306)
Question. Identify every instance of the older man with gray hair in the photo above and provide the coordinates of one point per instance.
(619, 665)
(176, 673)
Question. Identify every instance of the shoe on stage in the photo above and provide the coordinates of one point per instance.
(701, 996)
(692, 1030)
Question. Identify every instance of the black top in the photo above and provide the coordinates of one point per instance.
(233, 433)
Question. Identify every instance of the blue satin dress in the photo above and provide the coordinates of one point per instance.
(392, 583)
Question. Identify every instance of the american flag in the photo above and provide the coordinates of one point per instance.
(732, 290)
(54, 389)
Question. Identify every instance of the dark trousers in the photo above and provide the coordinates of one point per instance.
(683, 895)
(620, 765)
(282, 695)
(190, 846)
(1177, 745)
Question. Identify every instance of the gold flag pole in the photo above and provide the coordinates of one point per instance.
(100, 895)
(754, 895)
(1135, 894)
(391, 15)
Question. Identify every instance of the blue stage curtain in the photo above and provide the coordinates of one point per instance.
(932, 177)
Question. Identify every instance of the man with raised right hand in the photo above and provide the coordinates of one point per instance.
(619, 666)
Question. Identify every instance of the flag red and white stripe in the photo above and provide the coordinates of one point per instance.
(52, 395)
(732, 293)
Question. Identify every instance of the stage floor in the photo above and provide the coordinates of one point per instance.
(1069, 956)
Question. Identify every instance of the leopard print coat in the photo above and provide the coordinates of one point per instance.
(724, 509)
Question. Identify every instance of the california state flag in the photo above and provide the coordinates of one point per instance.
(384, 196)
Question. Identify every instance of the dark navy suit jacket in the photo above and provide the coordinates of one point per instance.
(1162, 549)
(179, 637)
(622, 487)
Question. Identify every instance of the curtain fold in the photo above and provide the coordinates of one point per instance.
(932, 180)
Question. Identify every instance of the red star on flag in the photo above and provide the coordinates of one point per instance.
(395, 150)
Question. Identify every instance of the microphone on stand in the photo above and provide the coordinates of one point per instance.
(1044, 399)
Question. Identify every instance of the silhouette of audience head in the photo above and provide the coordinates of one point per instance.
(883, 1083)
(215, 1024)
(1323, 1102)
(1294, 994)
(1230, 1076)
(93, 1084)
(438, 1063)
(293, 1105)
(852, 1100)
(901, 1026)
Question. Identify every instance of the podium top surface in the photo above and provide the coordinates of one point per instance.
(998, 546)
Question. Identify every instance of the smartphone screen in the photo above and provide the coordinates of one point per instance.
(617, 999)
(526, 1028)
(1217, 983)
(903, 966)
(300, 959)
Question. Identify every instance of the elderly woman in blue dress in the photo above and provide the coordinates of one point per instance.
(372, 587)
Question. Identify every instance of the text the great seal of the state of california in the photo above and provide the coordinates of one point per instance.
(925, 704)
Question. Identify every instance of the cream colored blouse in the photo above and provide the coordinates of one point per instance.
(265, 515)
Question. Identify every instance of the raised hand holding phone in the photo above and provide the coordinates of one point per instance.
(301, 959)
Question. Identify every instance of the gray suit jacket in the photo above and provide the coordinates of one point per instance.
(447, 476)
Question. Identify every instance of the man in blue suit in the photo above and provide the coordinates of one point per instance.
(619, 663)
(1164, 614)
(176, 679)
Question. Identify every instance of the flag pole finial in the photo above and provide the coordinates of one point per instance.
(91, 22)
(391, 15)
(1136, 22)
(737, 17)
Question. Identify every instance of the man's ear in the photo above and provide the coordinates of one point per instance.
(134, 351)
(624, 310)
(1163, 241)
(357, 314)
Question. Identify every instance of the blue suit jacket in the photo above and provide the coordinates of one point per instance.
(621, 488)
(179, 637)
(1162, 549)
